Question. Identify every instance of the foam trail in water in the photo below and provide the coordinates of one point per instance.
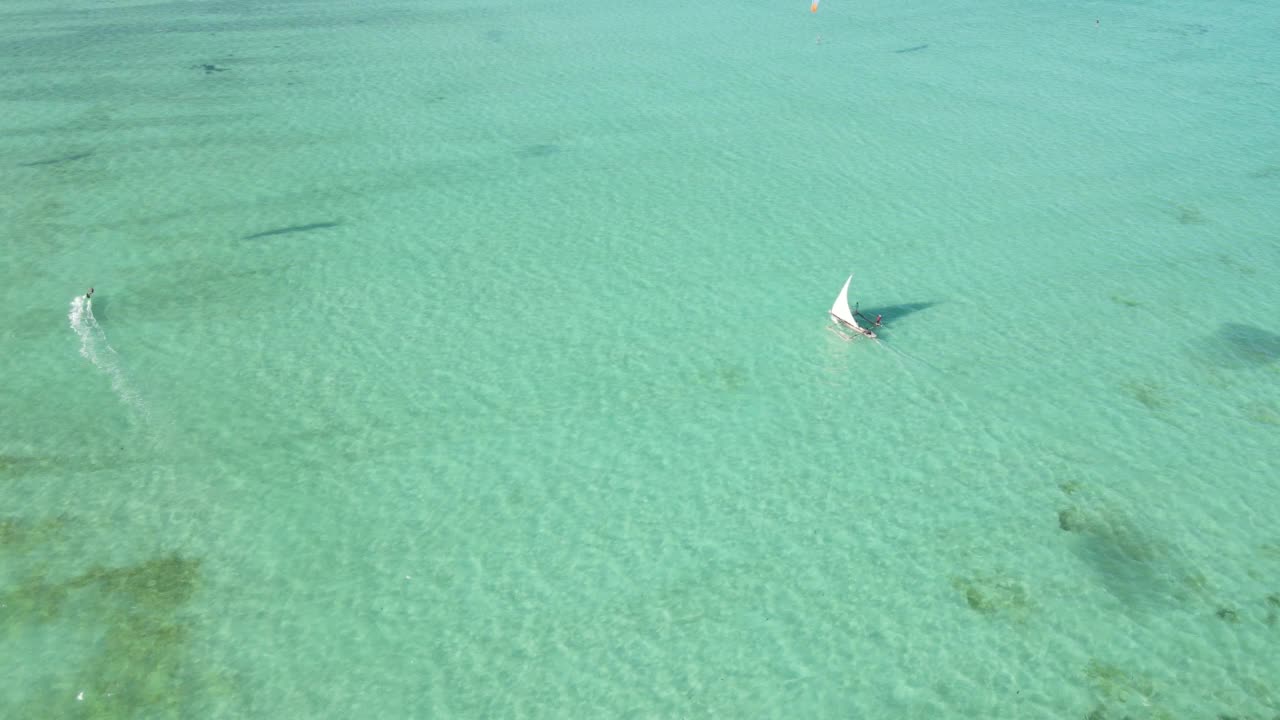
(95, 348)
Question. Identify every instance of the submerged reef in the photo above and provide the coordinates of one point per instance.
(1134, 693)
(727, 377)
(142, 663)
(21, 533)
(12, 466)
(1151, 395)
(1069, 519)
(1189, 215)
(1262, 412)
(991, 595)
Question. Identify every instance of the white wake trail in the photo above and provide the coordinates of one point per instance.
(95, 348)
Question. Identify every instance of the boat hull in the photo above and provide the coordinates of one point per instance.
(855, 328)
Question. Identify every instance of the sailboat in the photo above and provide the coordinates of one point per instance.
(841, 315)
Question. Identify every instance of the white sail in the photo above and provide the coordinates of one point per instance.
(840, 309)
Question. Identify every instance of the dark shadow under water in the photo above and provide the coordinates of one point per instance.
(57, 160)
(291, 229)
(1249, 344)
(538, 150)
(893, 313)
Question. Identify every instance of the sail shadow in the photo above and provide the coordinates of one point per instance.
(57, 160)
(539, 150)
(1249, 344)
(893, 313)
(292, 229)
(1129, 571)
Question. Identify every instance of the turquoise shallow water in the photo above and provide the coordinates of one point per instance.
(470, 360)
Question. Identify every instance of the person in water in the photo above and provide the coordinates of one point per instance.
(89, 295)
